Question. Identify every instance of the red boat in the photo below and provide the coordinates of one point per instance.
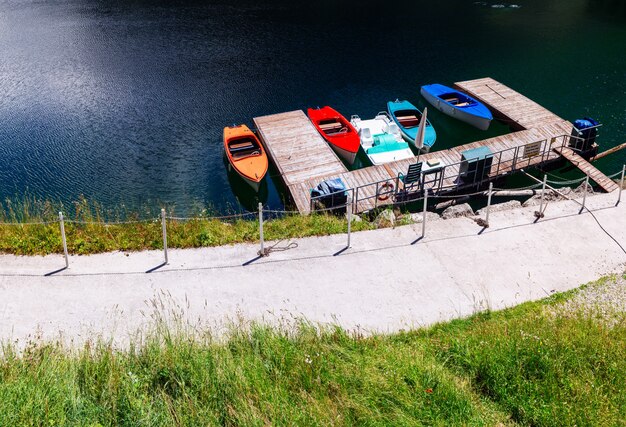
(339, 132)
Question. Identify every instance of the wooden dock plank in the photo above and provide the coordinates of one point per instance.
(602, 180)
(506, 102)
(296, 148)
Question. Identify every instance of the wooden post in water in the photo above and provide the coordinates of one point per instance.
(62, 225)
(262, 250)
(488, 204)
(164, 229)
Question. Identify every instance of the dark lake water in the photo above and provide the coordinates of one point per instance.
(124, 102)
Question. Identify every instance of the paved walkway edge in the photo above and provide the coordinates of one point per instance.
(387, 281)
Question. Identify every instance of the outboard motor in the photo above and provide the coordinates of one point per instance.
(587, 129)
(330, 193)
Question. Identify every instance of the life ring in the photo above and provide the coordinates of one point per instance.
(388, 185)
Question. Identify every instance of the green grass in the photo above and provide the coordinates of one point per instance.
(97, 237)
(531, 365)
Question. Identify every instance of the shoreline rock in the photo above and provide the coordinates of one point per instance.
(457, 211)
(499, 207)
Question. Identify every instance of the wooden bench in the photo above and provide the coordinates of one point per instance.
(330, 126)
(408, 121)
(452, 100)
(239, 146)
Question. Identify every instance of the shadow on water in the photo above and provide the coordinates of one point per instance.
(247, 197)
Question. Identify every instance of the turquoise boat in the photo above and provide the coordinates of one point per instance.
(407, 117)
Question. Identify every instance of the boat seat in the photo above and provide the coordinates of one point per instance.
(393, 129)
(241, 145)
(330, 126)
(366, 133)
(243, 149)
(409, 122)
(462, 104)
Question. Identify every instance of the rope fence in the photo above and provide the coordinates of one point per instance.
(205, 218)
(139, 221)
(264, 215)
(20, 224)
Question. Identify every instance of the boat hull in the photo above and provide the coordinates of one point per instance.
(410, 134)
(245, 154)
(468, 117)
(411, 140)
(391, 156)
(345, 155)
(337, 131)
(254, 184)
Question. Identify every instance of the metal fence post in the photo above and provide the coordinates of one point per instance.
(349, 216)
(164, 227)
(488, 204)
(425, 210)
(585, 193)
(62, 225)
(543, 194)
(376, 199)
(262, 251)
(621, 186)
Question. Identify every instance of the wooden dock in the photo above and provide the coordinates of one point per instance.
(298, 151)
(304, 159)
(606, 183)
(509, 106)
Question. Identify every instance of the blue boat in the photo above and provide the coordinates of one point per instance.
(458, 105)
(407, 117)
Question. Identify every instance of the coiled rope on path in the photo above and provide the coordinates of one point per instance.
(275, 248)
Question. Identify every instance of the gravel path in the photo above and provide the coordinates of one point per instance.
(604, 300)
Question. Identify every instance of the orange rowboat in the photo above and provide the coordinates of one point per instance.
(245, 154)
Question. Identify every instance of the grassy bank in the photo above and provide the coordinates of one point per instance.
(92, 235)
(537, 364)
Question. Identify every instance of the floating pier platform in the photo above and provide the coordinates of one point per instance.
(304, 159)
(298, 151)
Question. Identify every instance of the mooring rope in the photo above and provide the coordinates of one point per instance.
(29, 223)
(275, 248)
